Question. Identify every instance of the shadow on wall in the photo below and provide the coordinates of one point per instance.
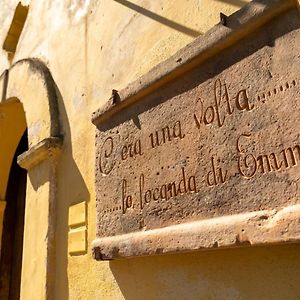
(238, 3)
(245, 273)
(71, 190)
(167, 22)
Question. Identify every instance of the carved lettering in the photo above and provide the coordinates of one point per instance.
(216, 175)
(242, 101)
(131, 150)
(167, 191)
(166, 134)
(219, 95)
(268, 163)
(249, 163)
(126, 199)
(222, 107)
(219, 143)
(247, 166)
(289, 156)
(106, 161)
(209, 115)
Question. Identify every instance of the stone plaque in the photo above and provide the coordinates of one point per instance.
(204, 151)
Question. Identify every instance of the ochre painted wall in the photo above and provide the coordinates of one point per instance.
(92, 47)
(10, 133)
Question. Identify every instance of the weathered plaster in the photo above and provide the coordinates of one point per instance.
(105, 48)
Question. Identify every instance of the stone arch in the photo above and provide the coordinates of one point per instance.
(28, 73)
(30, 83)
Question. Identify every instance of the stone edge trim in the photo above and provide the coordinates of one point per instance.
(48, 148)
(4, 82)
(254, 228)
(238, 25)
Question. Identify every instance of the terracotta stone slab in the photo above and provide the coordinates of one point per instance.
(211, 158)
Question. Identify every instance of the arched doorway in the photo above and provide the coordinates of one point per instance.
(13, 228)
(13, 142)
(28, 86)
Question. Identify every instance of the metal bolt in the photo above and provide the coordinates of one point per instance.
(115, 96)
(223, 19)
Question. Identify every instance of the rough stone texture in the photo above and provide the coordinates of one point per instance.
(222, 140)
(47, 148)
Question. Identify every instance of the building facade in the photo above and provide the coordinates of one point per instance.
(61, 61)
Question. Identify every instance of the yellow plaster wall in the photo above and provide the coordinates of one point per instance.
(6, 15)
(92, 47)
(10, 135)
(12, 127)
(33, 281)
